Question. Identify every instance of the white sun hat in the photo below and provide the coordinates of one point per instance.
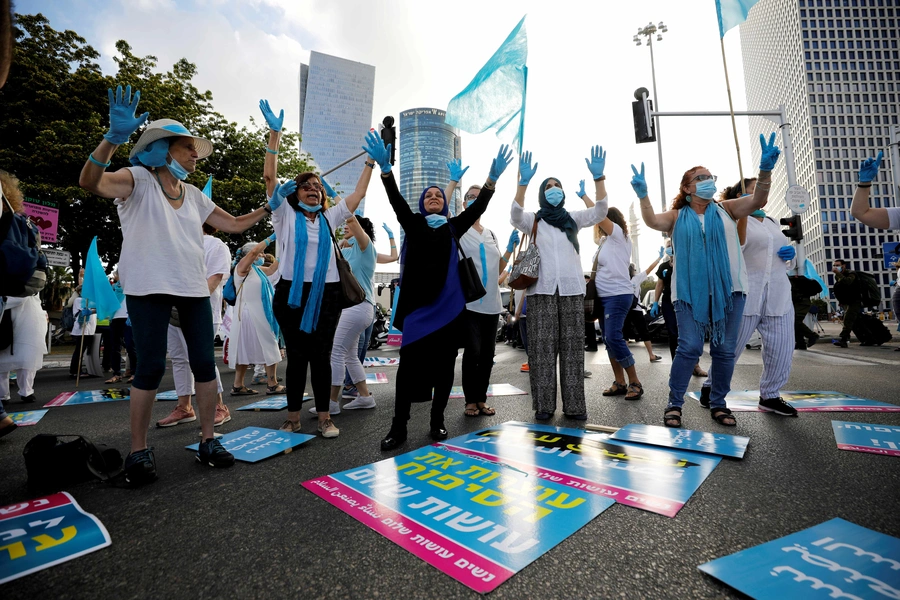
(163, 128)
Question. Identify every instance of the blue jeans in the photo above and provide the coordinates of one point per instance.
(615, 309)
(690, 347)
(361, 350)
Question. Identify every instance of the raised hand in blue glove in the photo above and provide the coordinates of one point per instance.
(893, 282)
(868, 169)
(456, 170)
(513, 240)
(662, 252)
(122, 119)
(270, 239)
(597, 162)
(378, 151)
(786, 252)
(282, 191)
(274, 122)
(330, 192)
(526, 171)
(654, 310)
(638, 183)
(770, 153)
(388, 229)
(581, 192)
(499, 164)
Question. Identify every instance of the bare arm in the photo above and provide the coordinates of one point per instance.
(243, 267)
(222, 221)
(649, 269)
(213, 282)
(448, 191)
(865, 214)
(743, 206)
(270, 166)
(271, 269)
(355, 197)
(658, 290)
(389, 258)
(96, 180)
(362, 238)
(660, 222)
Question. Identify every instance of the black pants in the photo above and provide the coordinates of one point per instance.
(112, 346)
(668, 312)
(590, 332)
(635, 320)
(478, 356)
(426, 368)
(304, 350)
(129, 349)
(801, 331)
(88, 345)
(851, 312)
(523, 333)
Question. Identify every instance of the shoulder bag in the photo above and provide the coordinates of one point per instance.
(469, 280)
(526, 265)
(351, 292)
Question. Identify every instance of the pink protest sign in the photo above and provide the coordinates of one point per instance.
(45, 215)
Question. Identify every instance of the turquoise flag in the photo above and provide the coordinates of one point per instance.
(96, 289)
(732, 13)
(207, 189)
(495, 98)
(811, 273)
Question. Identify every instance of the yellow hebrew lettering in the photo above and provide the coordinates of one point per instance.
(447, 482)
(16, 550)
(45, 541)
(485, 498)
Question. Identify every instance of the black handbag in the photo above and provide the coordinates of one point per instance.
(472, 288)
(53, 463)
(351, 292)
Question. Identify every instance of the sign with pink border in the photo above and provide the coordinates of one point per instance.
(45, 215)
(867, 437)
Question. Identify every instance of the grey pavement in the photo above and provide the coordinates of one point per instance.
(252, 531)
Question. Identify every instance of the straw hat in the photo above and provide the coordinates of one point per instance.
(164, 128)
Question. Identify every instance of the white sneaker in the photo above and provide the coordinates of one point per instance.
(334, 408)
(361, 402)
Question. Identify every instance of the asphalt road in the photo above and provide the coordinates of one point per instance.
(252, 531)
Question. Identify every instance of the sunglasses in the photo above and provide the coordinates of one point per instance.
(705, 178)
(307, 185)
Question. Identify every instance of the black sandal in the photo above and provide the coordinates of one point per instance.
(635, 391)
(721, 414)
(672, 417)
(616, 389)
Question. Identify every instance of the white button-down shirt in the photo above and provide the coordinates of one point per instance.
(560, 268)
(765, 270)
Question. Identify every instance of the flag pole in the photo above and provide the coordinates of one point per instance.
(522, 115)
(737, 146)
(80, 356)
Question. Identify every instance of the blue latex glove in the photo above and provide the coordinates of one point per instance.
(513, 240)
(388, 229)
(122, 122)
(581, 192)
(654, 310)
(665, 271)
(526, 171)
(893, 282)
(456, 170)
(330, 192)
(282, 191)
(274, 122)
(662, 252)
(270, 239)
(597, 162)
(638, 183)
(499, 164)
(378, 151)
(868, 169)
(786, 253)
(770, 153)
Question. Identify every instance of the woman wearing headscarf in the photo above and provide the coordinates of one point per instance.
(431, 309)
(556, 300)
(307, 300)
(482, 315)
(162, 262)
(710, 284)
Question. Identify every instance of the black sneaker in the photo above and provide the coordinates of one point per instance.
(704, 396)
(840, 343)
(777, 406)
(214, 454)
(28, 399)
(811, 341)
(140, 467)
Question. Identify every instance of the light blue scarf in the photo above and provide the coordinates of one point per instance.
(268, 292)
(704, 270)
(484, 268)
(314, 301)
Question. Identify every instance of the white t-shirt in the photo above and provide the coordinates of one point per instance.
(218, 262)
(613, 258)
(471, 243)
(162, 248)
(636, 282)
(894, 217)
(90, 327)
(283, 223)
(122, 313)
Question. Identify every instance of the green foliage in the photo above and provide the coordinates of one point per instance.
(55, 110)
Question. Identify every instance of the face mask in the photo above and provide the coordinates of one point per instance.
(435, 221)
(259, 262)
(470, 202)
(351, 241)
(839, 269)
(706, 189)
(554, 196)
(669, 252)
(176, 170)
(311, 209)
(759, 213)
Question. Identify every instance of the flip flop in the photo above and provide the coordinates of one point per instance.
(486, 411)
(114, 379)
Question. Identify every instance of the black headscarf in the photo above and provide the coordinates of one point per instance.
(557, 216)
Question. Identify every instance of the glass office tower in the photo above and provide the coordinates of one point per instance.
(426, 145)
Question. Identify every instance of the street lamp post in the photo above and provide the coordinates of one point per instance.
(649, 31)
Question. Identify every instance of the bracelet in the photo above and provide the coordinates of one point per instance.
(270, 151)
(601, 178)
(97, 162)
(370, 165)
(267, 208)
(864, 185)
(490, 184)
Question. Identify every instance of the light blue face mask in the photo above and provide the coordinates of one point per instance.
(470, 202)
(259, 262)
(554, 196)
(435, 221)
(669, 251)
(177, 171)
(706, 189)
(309, 208)
(759, 214)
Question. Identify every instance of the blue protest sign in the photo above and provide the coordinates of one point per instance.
(28, 417)
(867, 437)
(273, 403)
(169, 395)
(253, 444)
(891, 252)
(836, 559)
(90, 397)
(806, 401)
(655, 479)
(44, 532)
(479, 521)
(684, 439)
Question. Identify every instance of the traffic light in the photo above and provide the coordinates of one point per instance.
(793, 231)
(389, 135)
(644, 131)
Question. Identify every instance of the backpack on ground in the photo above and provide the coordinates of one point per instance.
(869, 293)
(23, 267)
(53, 463)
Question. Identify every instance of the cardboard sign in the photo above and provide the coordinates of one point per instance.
(381, 361)
(806, 401)
(28, 417)
(477, 520)
(45, 215)
(273, 403)
(57, 258)
(90, 397)
(500, 389)
(253, 444)
(867, 437)
(44, 532)
(395, 337)
(373, 378)
(836, 559)
(684, 439)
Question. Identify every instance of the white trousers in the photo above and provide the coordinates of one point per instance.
(24, 379)
(345, 351)
(181, 368)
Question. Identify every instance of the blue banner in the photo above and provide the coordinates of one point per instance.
(90, 397)
(806, 401)
(684, 439)
(891, 252)
(273, 403)
(836, 559)
(253, 444)
(867, 437)
(28, 417)
(168, 395)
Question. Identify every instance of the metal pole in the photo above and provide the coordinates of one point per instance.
(788, 146)
(348, 161)
(737, 146)
(662, 178)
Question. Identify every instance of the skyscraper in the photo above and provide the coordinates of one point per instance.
(834, 65)
(426, 145)
(335, 114)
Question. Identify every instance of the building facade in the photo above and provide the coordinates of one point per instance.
(336, 98)
(834, 65)
(426, 144)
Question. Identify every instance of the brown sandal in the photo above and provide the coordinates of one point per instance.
(635, 391)
(616, 389)
(672, 417)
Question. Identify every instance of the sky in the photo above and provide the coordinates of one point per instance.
(583, 68)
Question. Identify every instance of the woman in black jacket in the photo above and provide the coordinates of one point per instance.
(431, 307)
